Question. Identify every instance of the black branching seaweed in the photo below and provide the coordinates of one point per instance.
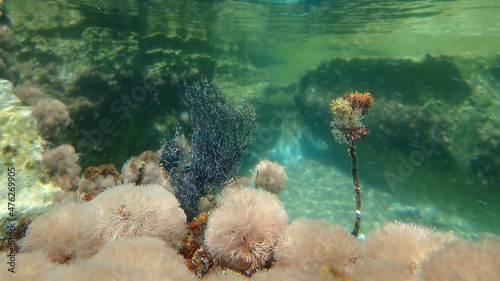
(221, 134)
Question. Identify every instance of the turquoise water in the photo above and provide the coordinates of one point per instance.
(432, 66)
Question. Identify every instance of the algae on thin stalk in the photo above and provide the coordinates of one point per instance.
(347, 127)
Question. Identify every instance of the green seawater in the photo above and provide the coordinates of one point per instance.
(433, 155)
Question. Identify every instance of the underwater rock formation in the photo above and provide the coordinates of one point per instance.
(431, 119)
(21, 149)
(402, 82)
(103, 70)
(117, 63)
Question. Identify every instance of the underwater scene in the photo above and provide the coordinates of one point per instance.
(249, 140)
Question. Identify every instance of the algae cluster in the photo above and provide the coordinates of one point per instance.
(116, 65)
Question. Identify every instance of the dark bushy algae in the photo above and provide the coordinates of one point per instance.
(221, 134)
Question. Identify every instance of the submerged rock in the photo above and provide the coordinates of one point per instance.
(21, 160)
